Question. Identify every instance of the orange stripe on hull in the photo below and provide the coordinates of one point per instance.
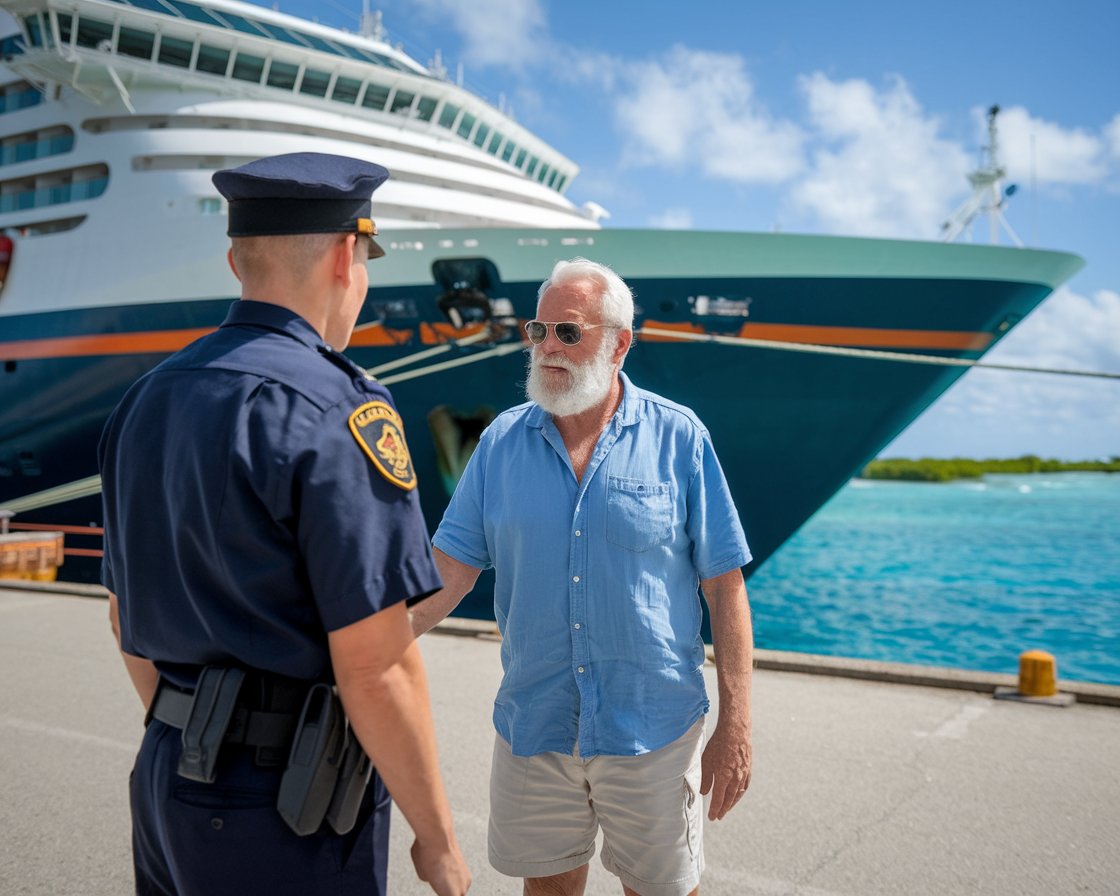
(167, 341)
(151, 342)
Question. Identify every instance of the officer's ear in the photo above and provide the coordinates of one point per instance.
(232, 266)
(344, 258)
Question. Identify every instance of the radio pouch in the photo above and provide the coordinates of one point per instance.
(313, 763)
(215, 698)
(353, 777)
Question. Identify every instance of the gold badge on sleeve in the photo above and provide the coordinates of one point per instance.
(379, 431)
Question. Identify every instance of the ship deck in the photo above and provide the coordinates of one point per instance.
(861, 786)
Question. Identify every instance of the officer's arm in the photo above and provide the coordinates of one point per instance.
(384, 689)
(458, 580)
(142, 672)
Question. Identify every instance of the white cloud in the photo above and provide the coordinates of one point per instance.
(992, 413)
(1112, 137)
(881, 169)
(691, 108)
(508, 33)
(1038, 150)
(672, 219)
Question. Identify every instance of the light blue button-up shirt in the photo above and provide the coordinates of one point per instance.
(596, 580)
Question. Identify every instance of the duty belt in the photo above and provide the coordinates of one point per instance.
(253, 728)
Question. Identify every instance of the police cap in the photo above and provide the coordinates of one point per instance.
(302, 192)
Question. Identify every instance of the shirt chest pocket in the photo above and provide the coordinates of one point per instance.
(639, 513)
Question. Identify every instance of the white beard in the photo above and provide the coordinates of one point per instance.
(590, 382)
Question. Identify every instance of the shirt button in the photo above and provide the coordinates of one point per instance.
(580, 669)
(577, 533)
(575, 578)
(577, 625)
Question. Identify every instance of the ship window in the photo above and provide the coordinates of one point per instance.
(19, 97)
(210, 205)
(466, 124)
(542, 173)
(212, 60)
(496, 139)
(192, 12)
(425, 108)
(376, 96)
(132, 42)
(39, 228)
(507, 153)
(310, 40)
(346, 90)
(247, 67)
(521, 153)
(448, 116)
(153, 5)
(245, 26)
(91, 33)
(315, 83)
(481, 134)
(36, 145)
(53, 188)
(173, 51)
(280, 74)
(563, 182)
(402, 100)
(34, 31)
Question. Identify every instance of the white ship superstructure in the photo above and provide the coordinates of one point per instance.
(112, 100)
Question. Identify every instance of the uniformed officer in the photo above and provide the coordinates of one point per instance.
(263, 539)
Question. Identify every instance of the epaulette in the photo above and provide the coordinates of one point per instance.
(357, 373)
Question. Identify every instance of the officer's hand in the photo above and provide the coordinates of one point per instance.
(443, 869)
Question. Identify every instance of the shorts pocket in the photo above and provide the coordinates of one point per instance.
(639, 513)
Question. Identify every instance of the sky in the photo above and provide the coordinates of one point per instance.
(860, 117)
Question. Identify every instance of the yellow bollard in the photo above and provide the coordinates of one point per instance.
(1037, 674)
(1038, 681)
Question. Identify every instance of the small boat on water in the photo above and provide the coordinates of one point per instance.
(114, 114)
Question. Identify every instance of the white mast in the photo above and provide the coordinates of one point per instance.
(989, 196)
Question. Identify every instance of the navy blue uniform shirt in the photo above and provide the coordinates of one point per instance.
(249, 506)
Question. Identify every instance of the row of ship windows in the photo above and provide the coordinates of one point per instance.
(53, 189)
(35, 145)
(198, 57)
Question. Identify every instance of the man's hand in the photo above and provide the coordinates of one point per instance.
(442, 869)
(725, 769)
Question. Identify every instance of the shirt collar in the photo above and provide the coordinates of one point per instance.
(246, 312)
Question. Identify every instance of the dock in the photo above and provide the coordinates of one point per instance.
(861, 785)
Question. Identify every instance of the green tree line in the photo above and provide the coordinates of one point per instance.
(933, 469)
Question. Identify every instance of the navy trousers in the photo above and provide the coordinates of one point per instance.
(194, 839)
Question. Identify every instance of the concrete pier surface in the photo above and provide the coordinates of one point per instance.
(860, 786)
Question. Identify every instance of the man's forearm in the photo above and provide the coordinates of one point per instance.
(733, 645)
(458, 578)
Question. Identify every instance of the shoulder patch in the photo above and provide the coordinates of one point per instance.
(379, 431)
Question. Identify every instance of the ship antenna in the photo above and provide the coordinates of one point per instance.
(989, 196)
(371, 25)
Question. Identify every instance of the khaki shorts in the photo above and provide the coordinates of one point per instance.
(546, 811)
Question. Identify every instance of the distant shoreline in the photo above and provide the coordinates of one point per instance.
(932, 469)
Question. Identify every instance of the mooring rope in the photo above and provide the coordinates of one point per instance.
(870, 354)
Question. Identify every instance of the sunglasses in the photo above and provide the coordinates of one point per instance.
(567, 331)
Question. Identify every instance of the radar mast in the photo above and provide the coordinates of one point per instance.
(989, 196)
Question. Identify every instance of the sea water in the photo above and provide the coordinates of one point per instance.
(966, 574)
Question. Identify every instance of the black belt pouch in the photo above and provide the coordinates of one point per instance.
(351, 787)
(215, 698)
(313, 764)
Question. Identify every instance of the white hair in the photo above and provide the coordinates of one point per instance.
(617, 302)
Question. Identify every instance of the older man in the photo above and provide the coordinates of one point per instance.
(602, 508)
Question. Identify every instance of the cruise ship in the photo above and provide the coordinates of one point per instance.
(114, 114)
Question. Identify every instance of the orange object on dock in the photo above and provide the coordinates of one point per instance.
(35, 556)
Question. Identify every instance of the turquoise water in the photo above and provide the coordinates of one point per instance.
(962, 574)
